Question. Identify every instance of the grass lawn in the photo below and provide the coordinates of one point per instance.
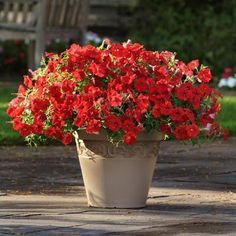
(227, 116)
(7, 134)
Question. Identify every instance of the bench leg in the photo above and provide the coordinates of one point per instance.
(39, 50)
(31, 53)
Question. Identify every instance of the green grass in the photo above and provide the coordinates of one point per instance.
(226, 118)
(7, 134)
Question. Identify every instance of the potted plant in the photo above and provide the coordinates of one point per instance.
(119, 101)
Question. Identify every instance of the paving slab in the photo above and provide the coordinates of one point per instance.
(193, 193)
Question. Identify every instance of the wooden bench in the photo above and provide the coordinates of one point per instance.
(41, 20)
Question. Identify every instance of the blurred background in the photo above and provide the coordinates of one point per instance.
(203, 29)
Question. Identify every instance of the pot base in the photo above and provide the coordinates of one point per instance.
(117, 182)
(117, 177)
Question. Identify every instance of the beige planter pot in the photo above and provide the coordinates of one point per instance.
(117, 177)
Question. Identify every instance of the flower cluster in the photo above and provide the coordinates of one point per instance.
(228, 79)
(120, 88)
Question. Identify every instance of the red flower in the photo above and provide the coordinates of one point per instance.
(113, 122)
(55, 93)
(192, 65)
(166, 108)
(177, 114)
(97, 70)
(225, 134)
(67, 138)
(78, 74)
(40, 82)
(39, 117)
(37, 104)
(204, 75)
(17, 124)
(166, 56)
(68, 86)
(14, 109)
(37, 128)
(128, 125)
(57, 121)
(21, 90)
(184, 69)
(189, 114)
(93, 126)
(205, 89)
(114, 98)
(51, 67)
(196, 102)
(25, 130)
(82, 105)
(50, 132)
(165, 128)
(184, 91)
(129, 138)
(141, 85)
(79, 120)
(186, 132)
(161, 73)
(176, 78)
(94, 91)
(27, 81)
(142, 103)
(128, 79)
(180, 132)
(192, 130)
(156, 111)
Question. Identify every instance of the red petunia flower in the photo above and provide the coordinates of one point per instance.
(141, 85)
(27, 81)
(130, 138)
(113, 122)
(93, 126)
(192, 131)
(204, 75)
(177, 114)
(114, 98)
(225, 135)
(192, 65)
(67, 138)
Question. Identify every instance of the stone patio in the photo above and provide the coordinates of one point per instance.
(193, 193)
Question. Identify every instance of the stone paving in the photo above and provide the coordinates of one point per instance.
(193, 193)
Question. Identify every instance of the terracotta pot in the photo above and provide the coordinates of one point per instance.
(117, 177)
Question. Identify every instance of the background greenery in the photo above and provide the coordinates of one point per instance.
(13, 56)
(203, 29)
(7, 134)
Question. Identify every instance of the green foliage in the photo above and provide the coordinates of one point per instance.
(227, 116)
(13, 55)
(203, 29)
(7, 134)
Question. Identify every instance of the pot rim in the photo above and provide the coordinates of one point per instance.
(153, 135)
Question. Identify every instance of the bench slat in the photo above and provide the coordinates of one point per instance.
(6, 9)
(63, 8)
(52, 11)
